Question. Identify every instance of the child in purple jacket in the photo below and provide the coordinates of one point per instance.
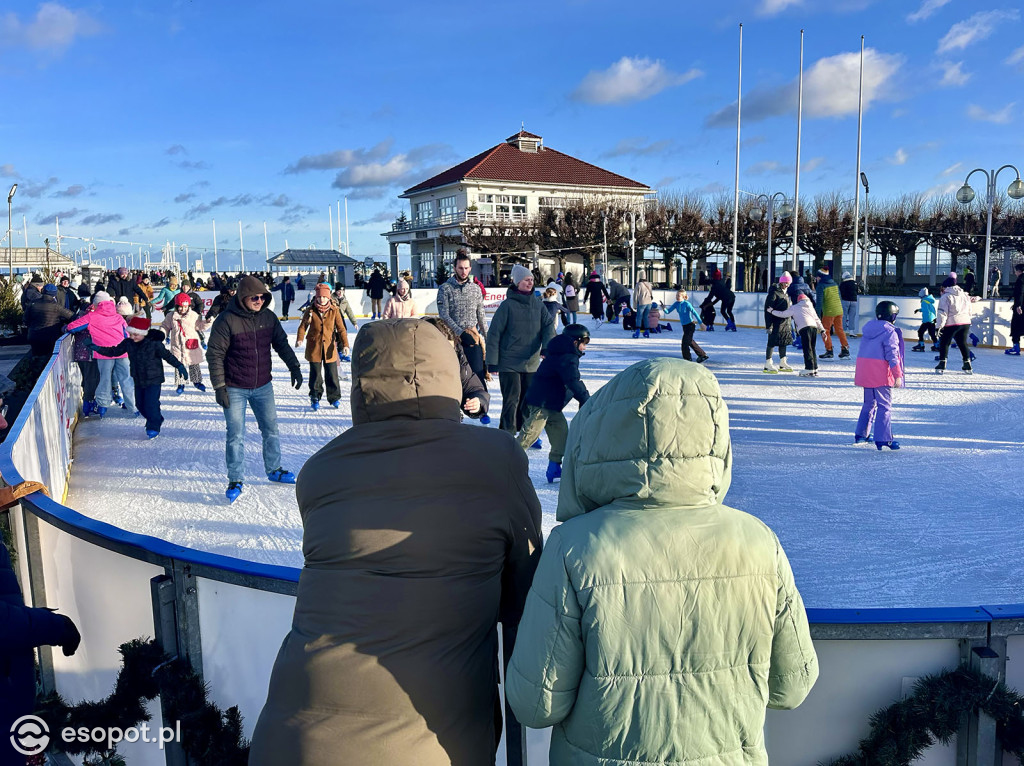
(879, 370)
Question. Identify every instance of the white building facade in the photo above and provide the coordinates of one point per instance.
(513, 181)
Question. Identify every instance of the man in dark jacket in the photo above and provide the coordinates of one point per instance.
(392, 655)
(375, 289)
(287, 295)
(1017, 312)
(720, 292)
(45, 320)
(557, 382)
(66, 296)
(519, 331)
(33, 291)
(239, 359)
(122, 283)
(22, 629)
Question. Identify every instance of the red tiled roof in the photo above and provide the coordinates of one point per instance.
(505, 162)
(523, 134)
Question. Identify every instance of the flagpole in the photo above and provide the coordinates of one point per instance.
(215, 264)
(241, 246)
(736, 192)
(856, 180)
(799, 118)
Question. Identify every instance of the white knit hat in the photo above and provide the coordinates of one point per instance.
(124, 308)
(101, 296)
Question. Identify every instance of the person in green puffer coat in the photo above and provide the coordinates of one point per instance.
(830, 309)
(661, 623)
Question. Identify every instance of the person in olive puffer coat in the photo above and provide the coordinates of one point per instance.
(661, 623)
(392, 657)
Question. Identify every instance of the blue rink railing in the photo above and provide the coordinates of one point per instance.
(227, 617)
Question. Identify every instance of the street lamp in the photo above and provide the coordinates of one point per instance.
(965, 195)
(10, 238)
(785, 210)
(867, 241)
(630, 242)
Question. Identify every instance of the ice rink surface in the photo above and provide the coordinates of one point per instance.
(938, 523)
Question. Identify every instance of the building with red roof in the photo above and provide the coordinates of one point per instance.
(512, 181)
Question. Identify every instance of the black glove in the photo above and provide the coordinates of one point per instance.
(297, 379)
(183, 371)
(221, 394)
(70, 638)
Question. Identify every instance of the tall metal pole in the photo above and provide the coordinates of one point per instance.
(604, 231)
(736, 193)
(215, 265)
(348, 250)
(856, 181)
(24, 225)
(799, 121)
(771, 254)
(266, 244)
(988, 228)
(632, 246)
(330, 221)
(337, 203)
(241, 246)
(10, 248)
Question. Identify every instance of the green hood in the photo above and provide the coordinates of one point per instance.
(656, 434)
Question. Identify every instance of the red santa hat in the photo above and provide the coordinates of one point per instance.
(138, 326)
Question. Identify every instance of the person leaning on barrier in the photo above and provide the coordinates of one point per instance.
(22, 629)
(661, 623)
(392, 658)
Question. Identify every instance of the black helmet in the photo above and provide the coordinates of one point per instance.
(577, 332)
(887, 311)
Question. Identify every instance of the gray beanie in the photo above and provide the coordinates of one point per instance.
(519, 273)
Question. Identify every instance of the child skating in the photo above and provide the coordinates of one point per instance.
(182, 328)
(808, 326)
(688, 319)
(879, 370)
(779, 329)
(927, 312)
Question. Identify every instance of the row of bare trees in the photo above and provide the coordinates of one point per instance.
(693, 228)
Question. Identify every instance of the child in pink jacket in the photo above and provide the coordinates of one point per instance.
(401, 305)
(879, 371)
(108, 328)
(808, 326)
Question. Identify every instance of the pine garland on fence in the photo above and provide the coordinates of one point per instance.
(210, 735)
(902, 732)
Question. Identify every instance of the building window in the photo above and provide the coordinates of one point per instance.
(423, 211)
(449, 209)
(556, 203)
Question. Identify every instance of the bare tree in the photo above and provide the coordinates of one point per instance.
(898, 231)
(500, 239)
(828, 229)
(677, 226)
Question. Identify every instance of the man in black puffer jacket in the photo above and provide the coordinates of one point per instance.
(556, 383)
(46, 320)
(22, 629)
(238, 354)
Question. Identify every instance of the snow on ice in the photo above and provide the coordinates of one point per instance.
(939, 523)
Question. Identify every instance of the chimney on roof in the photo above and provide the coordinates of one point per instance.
(526, 142)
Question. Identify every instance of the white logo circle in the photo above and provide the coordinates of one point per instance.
(30, 735)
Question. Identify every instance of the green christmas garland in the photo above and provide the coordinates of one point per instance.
(211, 736)
(902, 732)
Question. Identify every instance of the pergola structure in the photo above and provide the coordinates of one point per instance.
(340, 267)
(32, 258)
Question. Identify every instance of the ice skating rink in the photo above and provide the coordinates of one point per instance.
(939, 523)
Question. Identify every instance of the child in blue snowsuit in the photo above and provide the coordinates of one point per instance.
(927, 312)
(688, 318)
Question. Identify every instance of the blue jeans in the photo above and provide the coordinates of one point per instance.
(120, 371)
(641, 322)
(262, 402)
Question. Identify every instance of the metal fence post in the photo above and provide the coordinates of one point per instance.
(983, 748)
(166, 635)
(186, 598)
(37, 588)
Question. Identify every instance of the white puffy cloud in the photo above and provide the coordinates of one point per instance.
(630, 79)
(928, 7)
(54, 28)
(1001, 117)
(830, 89)
(772, 7)
(976, 28)
(900, 157)
(953, 74)
(952, 168)
(1017, 57)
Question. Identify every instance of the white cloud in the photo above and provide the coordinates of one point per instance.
(812, 164)
(940, 190)
(764, 168)
(630, 79)
(899, 158)
(952, 168)
(830, 89)
(976, 28)
(53, 29)
(928, 7)
(771, 7)
(953, 75)
(1001, 117)
(638, 146)
(1017, 57)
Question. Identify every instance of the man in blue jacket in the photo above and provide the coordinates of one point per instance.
(22, 629)
(556, 382)
(287, 295)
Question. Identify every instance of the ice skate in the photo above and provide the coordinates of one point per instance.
(151, 433)
(485, 420)
(180, 389)
(314, 404)
(862, 439)
(101, 411)
(844, 353)
(808, 373)
(702, 359)
(967, 368)
(636, 334)
(233, 491)
(336, 403)
(893, 445)
(918, 347)
(554, 471)
(769, 367)
(941, 366)
(784, 365)
(827, 355)
(1015, 351)
(281, 476)
(200, 386)
(975, 340)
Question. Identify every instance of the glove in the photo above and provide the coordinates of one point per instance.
(221, 395)
(898, 383)
(70, 638)
(183, 371)
(297, 379)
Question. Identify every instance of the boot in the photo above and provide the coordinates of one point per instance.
(180, 389)
(941, 366)
(918, 347)
(636, 334)
(827, 355)
(647, 334)
(935, 346)
(862, 439)
(967, 368)
(894, 445)
(769, 367)
(554, 471)
(784, 365)
(844, 353)
(1015, 351)
(709, 328)
(975, 340)
(702, 359)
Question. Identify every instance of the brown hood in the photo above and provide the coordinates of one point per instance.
(404, 369)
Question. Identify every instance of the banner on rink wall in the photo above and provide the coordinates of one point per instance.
(42, 451)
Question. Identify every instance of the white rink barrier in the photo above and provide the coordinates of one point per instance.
(227, 617)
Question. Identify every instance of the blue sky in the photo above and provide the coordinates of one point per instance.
(143, 124)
